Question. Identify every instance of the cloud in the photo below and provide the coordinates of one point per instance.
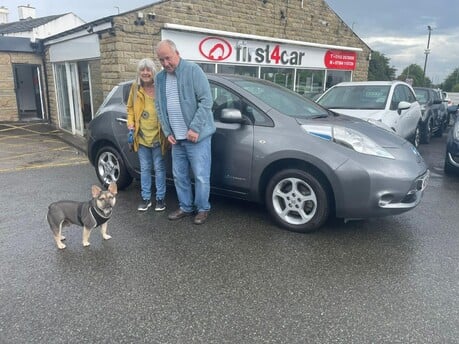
(403, 51)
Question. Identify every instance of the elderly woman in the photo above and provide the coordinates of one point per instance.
(148, 140)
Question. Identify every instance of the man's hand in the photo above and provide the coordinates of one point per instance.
(192, 136)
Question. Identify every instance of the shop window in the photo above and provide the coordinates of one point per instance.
(207, 67)
(309, 82)
(238, 69)
(281, 76)
(336, 76)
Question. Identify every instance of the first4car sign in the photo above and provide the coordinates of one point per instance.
(217, 49)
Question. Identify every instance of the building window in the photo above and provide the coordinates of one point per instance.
(280, 76)
(336, 76)
(238, 69)
(309, 82)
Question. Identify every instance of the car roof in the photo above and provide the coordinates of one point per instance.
(371, 83)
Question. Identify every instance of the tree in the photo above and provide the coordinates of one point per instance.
(451, 84)
(379, 69)
(414, 75)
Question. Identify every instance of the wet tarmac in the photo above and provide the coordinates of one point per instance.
(31, 145)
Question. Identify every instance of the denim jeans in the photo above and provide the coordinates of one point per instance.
(186, 154)
(152, 158)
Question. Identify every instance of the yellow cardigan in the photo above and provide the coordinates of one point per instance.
(134, 111)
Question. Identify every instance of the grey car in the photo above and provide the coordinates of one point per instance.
(273, 146)
(435, 118)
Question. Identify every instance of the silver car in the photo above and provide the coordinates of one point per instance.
(275, 147)
(390, 104)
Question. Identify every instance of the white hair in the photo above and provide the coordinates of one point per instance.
(148, 64)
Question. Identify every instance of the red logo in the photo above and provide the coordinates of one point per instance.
(338, 59)
(215, 48)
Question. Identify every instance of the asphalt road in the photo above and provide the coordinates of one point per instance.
(236, 279)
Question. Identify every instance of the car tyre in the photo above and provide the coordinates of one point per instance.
(417, 136)
(448, 167)
(297, 200)
(110, 167)
(426, 132)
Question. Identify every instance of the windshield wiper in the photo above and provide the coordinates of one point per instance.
(323, 115)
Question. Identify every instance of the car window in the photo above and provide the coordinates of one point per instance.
(422, 95)
(398, 96)
(114, 97)
(283, 100)
(225, 99)
(410, 97)
(356, 97)
(437, 95)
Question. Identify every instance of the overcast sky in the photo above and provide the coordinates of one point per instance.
(396, 28)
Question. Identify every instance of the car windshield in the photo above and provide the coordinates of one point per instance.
(282, 99)
(421, 95)
(368, 97)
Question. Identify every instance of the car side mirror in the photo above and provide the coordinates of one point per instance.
(231, 115)
(403, 105)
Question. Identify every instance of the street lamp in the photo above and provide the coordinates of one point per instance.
(427, 51)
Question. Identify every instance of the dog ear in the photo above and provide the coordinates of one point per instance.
(113, 188)
(95, 190)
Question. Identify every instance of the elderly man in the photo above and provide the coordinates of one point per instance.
(183, 102)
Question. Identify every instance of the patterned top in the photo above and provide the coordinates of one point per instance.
(174, 111)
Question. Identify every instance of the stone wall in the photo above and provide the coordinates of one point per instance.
(308, 21)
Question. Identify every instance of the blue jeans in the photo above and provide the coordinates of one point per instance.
(186, 154)
(149, 158)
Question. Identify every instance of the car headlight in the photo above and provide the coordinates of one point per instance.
(348, 138)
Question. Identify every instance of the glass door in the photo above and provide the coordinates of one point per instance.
(68, 97)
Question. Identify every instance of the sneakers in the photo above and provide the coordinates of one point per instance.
(144, 205)
(160, 205)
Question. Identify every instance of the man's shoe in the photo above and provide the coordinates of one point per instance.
(178, 214)
(144, 205)
(160, 205)
(201, 217)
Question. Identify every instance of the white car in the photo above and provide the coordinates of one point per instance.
(389, 104)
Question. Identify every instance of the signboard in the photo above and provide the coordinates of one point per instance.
(337, 59)
(221, 49)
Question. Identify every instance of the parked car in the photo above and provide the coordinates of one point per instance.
(276, 147)
(452, 112)
(391, 103)
(446, 98)
(452, 149)
(435, 116)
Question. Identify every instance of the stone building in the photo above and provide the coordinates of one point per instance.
(22, 85)
(303, 45)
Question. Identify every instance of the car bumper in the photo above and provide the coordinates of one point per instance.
(412, 198)
(386, 192)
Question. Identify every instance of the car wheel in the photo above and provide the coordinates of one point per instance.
(110, 167)
(426, 132)
(439, 132)
(297, 200)
(448, 167)
(417, 136)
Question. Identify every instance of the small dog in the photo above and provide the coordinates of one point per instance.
(91, 214)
